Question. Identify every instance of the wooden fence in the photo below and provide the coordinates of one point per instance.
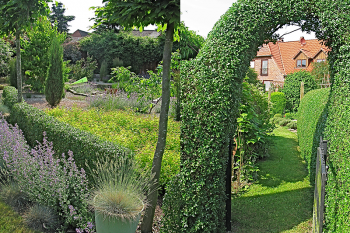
(320, 182)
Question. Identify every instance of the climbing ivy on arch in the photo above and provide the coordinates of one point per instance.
(211, 89)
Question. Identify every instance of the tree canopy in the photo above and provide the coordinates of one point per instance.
(57, 17)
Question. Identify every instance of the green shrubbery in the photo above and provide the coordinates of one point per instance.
(278, 101)
(83, 68)
(291, 88)
(311, 120)
(9, 96)
(85, 146)
(251, 136)
(5, 56)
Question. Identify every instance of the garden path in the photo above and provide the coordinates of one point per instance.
(281, 199)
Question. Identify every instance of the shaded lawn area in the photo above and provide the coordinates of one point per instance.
(282, 198)
(10, 221)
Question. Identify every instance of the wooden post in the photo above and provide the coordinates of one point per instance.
(301, 90)
(269, 95)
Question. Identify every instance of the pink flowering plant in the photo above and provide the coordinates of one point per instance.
(47, 180)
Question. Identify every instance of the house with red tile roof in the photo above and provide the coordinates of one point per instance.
(274, 61)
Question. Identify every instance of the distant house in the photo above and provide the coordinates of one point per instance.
(274, 61)
(78, 34)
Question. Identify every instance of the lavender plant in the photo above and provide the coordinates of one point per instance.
(49, 181)
(120, 100)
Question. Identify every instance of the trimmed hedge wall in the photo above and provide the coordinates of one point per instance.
(9, 96)
(86, 147)
(312, 115)
(279, 102)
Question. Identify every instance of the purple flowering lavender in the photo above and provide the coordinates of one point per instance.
(45, 179)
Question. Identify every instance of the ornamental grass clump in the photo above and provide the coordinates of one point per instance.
(46, 180)
(41, 218)
(121, 188)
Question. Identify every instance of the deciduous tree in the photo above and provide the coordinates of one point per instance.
(140, 13)
(16, 16)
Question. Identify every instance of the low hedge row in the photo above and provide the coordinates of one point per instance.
(9, 96)
(311, 122)
(85, 146)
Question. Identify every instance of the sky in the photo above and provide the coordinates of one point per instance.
(80, 9)
(201, 15)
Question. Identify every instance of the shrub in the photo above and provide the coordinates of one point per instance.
(71, 51)
(252, 130)
(12, 195)
(311, 117)
(41, 218)
(292, 125)
(9, 96)
(278, 101)
(83, 68)
(284, 121)
(85, 146)
(291, 88)
(289, 115)
(277, 115)
(121, 75)
(54, 84)
(46, 180)
(5, 57)
(36, 56)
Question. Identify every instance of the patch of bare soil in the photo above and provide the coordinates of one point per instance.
(69, 101)
(158, 215)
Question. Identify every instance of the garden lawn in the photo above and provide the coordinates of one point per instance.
(282, 198)
(10, 221)
(138, 132)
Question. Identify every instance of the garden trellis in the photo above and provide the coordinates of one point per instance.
(211, 89)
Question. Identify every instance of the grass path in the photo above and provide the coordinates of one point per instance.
(281, 200)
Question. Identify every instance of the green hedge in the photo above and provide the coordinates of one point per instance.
(9, 96)
(311, 119)
(85, 146)
(278, 102)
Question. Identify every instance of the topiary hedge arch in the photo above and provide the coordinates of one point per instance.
(211, 88)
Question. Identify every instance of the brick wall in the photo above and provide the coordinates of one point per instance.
(274, 73)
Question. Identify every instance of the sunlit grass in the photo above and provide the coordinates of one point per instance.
(281, 200)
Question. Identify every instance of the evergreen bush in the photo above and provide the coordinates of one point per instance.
(291, 88)
(54, 85)
(9, 96)
(278, 102)
(311, 117)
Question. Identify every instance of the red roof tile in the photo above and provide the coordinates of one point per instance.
(285, 52)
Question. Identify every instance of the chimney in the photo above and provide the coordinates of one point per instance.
(302, 41)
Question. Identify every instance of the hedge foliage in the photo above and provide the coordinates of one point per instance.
(291, 88)
(278, 102)
(133, 51)
(9, 96)
(211, 88)
(85, 146)
(311, 120)
(335, 25)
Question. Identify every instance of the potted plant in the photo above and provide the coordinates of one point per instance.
(120, 195)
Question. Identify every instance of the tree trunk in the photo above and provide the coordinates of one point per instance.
(152, 197)
(18, 65)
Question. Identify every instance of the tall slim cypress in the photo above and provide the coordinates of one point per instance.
(54, 83)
